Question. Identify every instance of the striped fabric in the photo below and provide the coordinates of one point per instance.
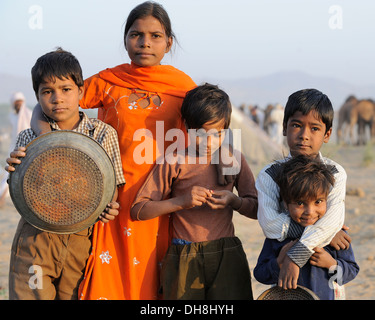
(276, 223)
(295, 230)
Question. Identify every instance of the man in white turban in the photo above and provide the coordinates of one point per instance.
(276, 119)
(20, 120)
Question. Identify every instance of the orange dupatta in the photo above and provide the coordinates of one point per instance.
(126, 254)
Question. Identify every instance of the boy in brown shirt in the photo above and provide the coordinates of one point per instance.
(205, 259)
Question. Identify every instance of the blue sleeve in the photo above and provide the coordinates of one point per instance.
(267, 269)
(348, 266)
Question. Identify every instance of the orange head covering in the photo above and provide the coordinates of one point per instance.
(162, 78)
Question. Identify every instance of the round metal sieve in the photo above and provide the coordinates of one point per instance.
(278, 293)
(64, 183)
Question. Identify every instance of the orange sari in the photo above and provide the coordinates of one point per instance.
(126, 254)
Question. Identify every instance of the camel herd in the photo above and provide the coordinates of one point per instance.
(356, 112)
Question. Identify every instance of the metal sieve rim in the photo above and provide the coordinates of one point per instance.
(58, 139)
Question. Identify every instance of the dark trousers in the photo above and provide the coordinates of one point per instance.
(210, 270)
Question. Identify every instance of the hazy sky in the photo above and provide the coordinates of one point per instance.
(218, 39)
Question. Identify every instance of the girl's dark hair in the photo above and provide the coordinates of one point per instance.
(307, 100)
(56, 64)
(150, 8)
(206, 103)
(303, 177)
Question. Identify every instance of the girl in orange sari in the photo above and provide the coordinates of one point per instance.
(142, 101)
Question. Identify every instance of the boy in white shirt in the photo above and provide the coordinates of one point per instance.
(307, 124)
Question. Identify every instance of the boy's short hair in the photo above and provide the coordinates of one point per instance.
(306, 100)
(59, 63)
(303, 177)
(206, 103)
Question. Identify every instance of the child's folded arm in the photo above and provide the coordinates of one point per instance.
(38, 122)
(300, 254)
(295, 230)
(152, 198)
(348, 266)
(274, 222)
(95, 89)
(149, 209)
(136, 209)
(245, 185)
(267, 269)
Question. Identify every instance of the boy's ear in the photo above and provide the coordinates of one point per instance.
(285, 205)
(327, 135)
(81, 91)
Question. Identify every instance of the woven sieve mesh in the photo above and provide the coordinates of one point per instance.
(277, 293)
(63, 186)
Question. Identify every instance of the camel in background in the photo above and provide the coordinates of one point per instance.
(356, 112)
(345, 125)
(363, 113)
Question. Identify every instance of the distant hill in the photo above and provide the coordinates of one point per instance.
(276, 88)
(273, 88)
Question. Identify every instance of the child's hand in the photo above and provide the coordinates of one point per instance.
(283, 251)
(322, 258)
(195, 198)
(14, 158)
(341, 240)
(110, 212)
(289, 273)
(223, 198)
